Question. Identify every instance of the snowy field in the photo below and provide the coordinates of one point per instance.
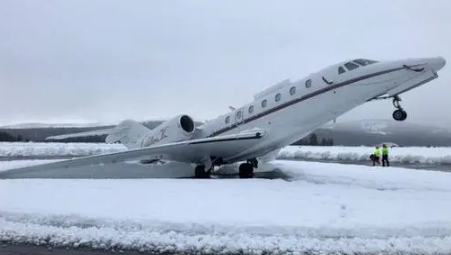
(433, 155)
(324, 208)
(425, 155)
(56, 149)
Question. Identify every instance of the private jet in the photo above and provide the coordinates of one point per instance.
(276, 117)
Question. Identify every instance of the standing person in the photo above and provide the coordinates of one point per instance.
(385, 155)
(377, 156)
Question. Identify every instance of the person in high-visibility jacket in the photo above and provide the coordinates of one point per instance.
(377, 156)
(385, 155)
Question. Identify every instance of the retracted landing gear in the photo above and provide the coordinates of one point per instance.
(203, 170)
(201, 173)
(399, 114)
(247, 169)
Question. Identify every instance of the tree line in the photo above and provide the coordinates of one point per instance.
(6, 137)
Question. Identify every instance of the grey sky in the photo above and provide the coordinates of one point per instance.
(109, 60)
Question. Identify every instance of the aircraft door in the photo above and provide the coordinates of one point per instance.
(329, 78)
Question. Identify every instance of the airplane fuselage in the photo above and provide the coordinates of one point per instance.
(292, 110)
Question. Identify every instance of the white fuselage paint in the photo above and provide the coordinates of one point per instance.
(295, 116)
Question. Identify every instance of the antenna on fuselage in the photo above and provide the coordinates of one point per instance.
(232, 108)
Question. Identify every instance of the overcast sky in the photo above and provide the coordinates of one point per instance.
(110, 60)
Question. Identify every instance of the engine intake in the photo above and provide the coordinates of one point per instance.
(187, 123)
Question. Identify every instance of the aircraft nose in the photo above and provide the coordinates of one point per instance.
(436, 63)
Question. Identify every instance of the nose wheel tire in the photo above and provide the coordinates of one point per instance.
(400, 115)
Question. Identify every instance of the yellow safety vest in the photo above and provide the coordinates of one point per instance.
(377, 152)
(385, 151)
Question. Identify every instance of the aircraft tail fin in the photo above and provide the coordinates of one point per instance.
(128, 132)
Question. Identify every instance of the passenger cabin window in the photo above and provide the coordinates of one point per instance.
(308, 83)
(292, 90)
(264, 103)
(341, 70)
(351, 66)
(364, 62)
(278, 97)
(238, 114)
(227, 120)
(251, 109)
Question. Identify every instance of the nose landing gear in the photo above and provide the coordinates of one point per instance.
(399, 114)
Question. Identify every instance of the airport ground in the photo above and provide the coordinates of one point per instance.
(23, 249)
(16, 249)
(418, 166)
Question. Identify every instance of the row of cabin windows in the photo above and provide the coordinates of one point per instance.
(277, 98)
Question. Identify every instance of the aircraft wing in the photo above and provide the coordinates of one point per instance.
(191, 151)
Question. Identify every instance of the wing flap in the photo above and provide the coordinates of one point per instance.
(191, 151)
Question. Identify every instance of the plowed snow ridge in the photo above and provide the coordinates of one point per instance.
(434, 155)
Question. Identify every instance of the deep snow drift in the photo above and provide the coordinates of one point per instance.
(324, 208)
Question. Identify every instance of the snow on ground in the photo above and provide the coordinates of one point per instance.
(324, 208)
(433, 155)
(56, 149)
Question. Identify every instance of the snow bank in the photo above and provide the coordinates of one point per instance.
(56, 149)
(325, 208)
(433, 155)
(198, 240)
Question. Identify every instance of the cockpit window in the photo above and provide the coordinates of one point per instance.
(341, 70)
(351, 66)
(364, 62)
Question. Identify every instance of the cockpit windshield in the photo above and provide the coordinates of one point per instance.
(364, 62)
(351, 66)
(354, 64)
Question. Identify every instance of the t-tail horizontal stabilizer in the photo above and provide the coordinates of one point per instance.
(128, 132)
(82, 134)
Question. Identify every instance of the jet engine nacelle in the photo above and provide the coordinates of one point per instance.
(177, 129)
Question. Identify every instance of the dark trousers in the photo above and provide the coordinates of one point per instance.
(385, 160)
(375, 159)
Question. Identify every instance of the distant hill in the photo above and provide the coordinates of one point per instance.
(347, 133)
(51, 125)
(370, 132)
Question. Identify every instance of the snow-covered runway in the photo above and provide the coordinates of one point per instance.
(323, 208)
